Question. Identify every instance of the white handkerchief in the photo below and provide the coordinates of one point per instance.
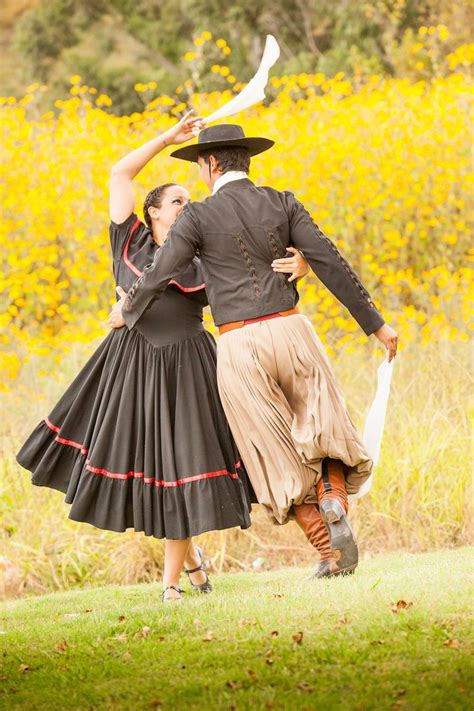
(255, 89)
(375, 421)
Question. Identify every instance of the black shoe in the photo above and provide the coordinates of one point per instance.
(206, 586)
(324, 571)
(341, 537)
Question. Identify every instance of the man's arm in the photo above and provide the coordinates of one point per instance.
(331, 268)
(170, 260)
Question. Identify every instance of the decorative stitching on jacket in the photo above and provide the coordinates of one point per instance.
(278, 252)
(343, 261)
(250, 265)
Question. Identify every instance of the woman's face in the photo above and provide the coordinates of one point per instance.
(173, 201)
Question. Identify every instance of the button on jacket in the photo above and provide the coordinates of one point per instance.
(237, 233)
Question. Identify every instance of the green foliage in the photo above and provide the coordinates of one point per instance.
(141, 40)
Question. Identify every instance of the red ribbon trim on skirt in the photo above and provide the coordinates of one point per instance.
(139, 475)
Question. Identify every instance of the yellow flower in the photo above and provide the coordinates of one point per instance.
(75, 79)
(221, 43)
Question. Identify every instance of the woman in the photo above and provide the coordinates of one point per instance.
(140, 438)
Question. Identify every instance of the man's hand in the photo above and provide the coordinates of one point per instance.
(297, 265)
(115, 316)
(389, 338)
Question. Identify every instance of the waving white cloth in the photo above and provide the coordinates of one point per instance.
(255, 89)
(375, 421)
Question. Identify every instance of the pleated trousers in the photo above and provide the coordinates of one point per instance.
(286, 412)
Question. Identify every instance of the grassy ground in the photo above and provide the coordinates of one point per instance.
(396, 635)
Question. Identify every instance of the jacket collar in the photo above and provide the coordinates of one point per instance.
(230, 177)
(239, 183)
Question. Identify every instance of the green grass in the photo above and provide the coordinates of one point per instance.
(119, 648)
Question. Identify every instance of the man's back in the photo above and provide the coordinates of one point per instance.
(238, 232)
(243, 229)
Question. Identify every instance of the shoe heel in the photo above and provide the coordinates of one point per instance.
(331, 510)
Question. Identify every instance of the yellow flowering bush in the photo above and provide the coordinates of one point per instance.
(383, 167)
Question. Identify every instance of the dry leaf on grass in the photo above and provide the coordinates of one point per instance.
(278, 596)
(344, 620)
(208, 637)
(23, 668)
(121, 618)
(126, 657)
(274, 633)
(378, 641)
(304, 686)
(453, 643)
(400, 605)
(122, 637)
(297, 637)
(269, 661)
(154, 703)
(143, 633)
(197, 623)
(251, 673)
(71, 615)
(400, 692)
(232, 684)
(61, 646)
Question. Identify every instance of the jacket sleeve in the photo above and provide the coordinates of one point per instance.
(170, 261)
(330, 267)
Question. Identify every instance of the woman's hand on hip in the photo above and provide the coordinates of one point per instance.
(296, 265)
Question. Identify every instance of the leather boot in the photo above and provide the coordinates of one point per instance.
(334, 561)
(327, 527)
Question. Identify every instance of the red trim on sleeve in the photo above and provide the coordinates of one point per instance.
(137, 272)
(139, 475)
(187, 289)
(125, 251)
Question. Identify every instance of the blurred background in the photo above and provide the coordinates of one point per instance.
(371, 109)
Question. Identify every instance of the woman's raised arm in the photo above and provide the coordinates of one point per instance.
(122, 197)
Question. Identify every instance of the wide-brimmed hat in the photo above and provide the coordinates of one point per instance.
(226, 134)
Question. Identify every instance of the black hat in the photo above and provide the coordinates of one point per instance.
(227, 134)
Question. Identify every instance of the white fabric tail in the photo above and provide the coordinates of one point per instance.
(375, 421)
(255, 89)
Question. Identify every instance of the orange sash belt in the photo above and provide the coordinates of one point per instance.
(239, 324)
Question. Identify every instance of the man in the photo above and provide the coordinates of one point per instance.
(279, 394)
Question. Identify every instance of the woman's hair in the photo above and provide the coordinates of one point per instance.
(154, 199)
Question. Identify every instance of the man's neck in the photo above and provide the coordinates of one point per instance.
(228, 178)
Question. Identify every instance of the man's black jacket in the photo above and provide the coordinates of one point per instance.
(237, 233)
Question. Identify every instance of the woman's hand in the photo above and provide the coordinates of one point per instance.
(187, 128)
(297, 265)
(115, 315)
(389, 338)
